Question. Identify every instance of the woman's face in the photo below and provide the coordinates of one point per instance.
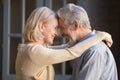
(49, 30)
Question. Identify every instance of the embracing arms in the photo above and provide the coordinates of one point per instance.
(108, 40)
(45, 56)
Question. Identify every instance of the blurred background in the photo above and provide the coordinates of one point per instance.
(104, 15)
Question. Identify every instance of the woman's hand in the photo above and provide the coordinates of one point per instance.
(108, 39)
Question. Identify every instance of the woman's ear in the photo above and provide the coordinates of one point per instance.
(41, 26)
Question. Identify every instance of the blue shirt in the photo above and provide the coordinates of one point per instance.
(97, 63)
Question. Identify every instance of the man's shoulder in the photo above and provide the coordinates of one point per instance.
(99, 46)
(98, 49)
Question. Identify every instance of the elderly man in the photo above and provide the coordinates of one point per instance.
(97, 63)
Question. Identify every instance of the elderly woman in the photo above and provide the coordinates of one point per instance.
(34, 58)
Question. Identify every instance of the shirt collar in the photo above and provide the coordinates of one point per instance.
(88, 36)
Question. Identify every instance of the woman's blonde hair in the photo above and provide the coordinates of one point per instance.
(32, 32)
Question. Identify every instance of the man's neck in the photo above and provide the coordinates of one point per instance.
(83, 33)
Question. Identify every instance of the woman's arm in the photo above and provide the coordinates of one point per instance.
(45, 56)
(108, 40)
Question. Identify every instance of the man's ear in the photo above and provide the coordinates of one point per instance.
(76, 25)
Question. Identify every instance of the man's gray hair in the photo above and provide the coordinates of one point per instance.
(72, 12)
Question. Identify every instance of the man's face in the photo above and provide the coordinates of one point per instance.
(67, 31)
